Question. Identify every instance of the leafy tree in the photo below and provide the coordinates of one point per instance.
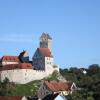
(89, 83)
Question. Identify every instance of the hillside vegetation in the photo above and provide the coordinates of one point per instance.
(11, 89)
(88, 83)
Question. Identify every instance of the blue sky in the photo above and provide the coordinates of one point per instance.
(73, 24)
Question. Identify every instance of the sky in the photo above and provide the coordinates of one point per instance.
(74, 26)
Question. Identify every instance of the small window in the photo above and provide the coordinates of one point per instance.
(47, 92)
(41, 93)
(46, 44)
(47, 63)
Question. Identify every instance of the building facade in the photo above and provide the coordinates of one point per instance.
(54, 87)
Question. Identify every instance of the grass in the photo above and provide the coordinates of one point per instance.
(28, 89)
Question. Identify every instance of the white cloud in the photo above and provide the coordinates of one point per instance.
(20, 38)
(14, 40)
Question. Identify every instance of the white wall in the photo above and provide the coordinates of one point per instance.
(50, 44)
(22, 76)
(49, 65)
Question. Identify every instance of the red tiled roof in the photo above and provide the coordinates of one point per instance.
(17, 66)
(58, 86)
(45, 52)
(10, 98)
(10, 58)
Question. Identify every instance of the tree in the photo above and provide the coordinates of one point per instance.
(5, 87)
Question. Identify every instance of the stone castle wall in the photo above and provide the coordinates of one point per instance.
(23, 76)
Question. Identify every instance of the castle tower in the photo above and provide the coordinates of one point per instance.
(43, 55)
(46, 41)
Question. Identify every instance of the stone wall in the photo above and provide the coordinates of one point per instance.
(22, 76)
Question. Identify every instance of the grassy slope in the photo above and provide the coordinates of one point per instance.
(25, 89)
(28, 89)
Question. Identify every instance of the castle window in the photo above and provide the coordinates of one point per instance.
(47, 92)
(47, 62)
(46, 44)
(48, 58)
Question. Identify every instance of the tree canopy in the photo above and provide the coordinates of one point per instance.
(88, 83)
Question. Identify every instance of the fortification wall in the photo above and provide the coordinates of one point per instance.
(22, 76)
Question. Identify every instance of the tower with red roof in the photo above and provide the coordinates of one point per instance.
(43, 58)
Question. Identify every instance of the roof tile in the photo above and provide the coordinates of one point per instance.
(58, 86)
(10, 58)
(45, 52)
(17, 66)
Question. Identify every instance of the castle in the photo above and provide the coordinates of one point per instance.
(20, 70)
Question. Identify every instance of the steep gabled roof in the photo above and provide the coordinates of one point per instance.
(23, 53)
(45, 52)
(10, 58)
(58, 86)
(45, 35)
